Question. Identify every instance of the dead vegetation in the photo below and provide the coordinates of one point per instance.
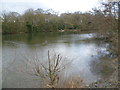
(48, 71)
(72, 82)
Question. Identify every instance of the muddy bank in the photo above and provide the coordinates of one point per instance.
(110, 82)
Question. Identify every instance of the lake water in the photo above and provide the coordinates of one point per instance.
(83, 54)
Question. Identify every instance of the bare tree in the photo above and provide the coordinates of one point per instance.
(48, 71)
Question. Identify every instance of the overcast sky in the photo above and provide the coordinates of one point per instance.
(60, 6)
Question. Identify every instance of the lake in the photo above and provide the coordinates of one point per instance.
(81, 51)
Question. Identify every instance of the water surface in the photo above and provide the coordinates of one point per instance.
(83, 53)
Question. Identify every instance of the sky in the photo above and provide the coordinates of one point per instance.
(60, 6)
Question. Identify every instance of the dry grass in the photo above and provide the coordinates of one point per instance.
(72, 82)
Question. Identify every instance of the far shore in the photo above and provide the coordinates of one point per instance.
(62, 30)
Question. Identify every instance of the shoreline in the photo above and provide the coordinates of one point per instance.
(111, 81)
(61, 31)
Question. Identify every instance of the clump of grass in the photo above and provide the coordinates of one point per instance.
(72, 82)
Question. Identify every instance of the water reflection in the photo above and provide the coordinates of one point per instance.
(30, 36)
